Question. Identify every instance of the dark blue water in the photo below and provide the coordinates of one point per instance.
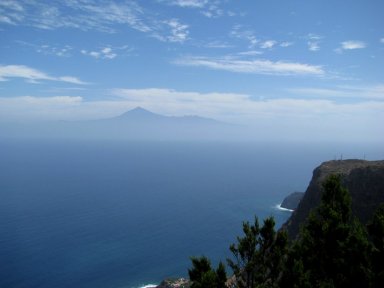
(103, 214)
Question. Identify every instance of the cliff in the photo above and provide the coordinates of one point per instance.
(363, 179)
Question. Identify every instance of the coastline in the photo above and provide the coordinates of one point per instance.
(278, 207)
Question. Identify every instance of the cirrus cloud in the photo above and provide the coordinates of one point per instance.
(268, 44)
(207, 8)
(33, 75)
(188, 3)
(178, 31)
(373, 92)
(104, 53)
(257, 66)
(98, 15)
(351, 45)
(314, 42)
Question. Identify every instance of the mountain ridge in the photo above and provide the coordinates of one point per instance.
(135, 124)
(140, 113)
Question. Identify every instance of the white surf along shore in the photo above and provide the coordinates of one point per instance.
(278, 206)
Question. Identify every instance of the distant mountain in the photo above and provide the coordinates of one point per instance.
(142, 115)
(135, 124)
(142, 124)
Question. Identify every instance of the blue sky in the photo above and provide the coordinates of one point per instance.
(304, 68)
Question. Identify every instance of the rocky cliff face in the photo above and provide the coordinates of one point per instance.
(292, 200)
(175, 283)
(363, 179)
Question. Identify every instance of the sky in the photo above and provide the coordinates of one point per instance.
(304, 68)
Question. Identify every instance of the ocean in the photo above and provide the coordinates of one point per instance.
(127, 214)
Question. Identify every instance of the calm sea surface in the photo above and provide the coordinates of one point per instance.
(104, 214)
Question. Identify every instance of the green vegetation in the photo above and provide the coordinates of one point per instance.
(333, 249)
(376, 233)
(203, 276)
(258, 255)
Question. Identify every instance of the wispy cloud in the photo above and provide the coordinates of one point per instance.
(79, 14)
(11, 12)
(239, 32)
(286, 44)
(52, 50)
(217, 44)
(168, 97)
(69, 79)
(242, 33)
(313, 46)
(351, 45)
(187, 3)
(11, 5)
(373, 92)
(57, 100)
(314, 42)
(49, 49)
(382, 40)
(213, 11)
(268, 44)
(210, 9)
(86, 15)
(250, 53)
(257, 66)
(178, 31)
(104, 53)
(32, 75)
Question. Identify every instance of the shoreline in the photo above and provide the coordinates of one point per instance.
(278, 207)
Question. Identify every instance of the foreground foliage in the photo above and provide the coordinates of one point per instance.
(259, 254)
(333, 249)
(203, 276)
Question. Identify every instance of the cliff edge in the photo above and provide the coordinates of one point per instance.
(363, 179)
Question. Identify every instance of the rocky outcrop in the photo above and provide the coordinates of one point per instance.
(175, 283)
(363, 179)
(185, 283)
(292, 200)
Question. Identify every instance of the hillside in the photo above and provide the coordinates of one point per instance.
(363, 179)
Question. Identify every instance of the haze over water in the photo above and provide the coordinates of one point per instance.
(125, 214)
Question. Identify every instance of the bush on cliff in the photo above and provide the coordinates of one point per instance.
(333, 249)
(376, 233)
(258, 256)
(203, 276)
